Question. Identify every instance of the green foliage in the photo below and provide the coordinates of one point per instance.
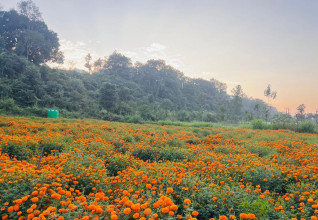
(50, 148)
(260, 207)
(259, 124)
(274, 180)
(173, 154)
(129, 139)
(117, 163)
(175, 143)
(146, 153)
(133, 119)
(29, 38)
(261, 151)
(283, 121)
(17, 151)
(108, 95)
(306, 127)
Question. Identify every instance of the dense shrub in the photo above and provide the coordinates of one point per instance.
(173, 154)
(117, 163)
(146, 153)
(306, 127)
(17, 151)
(259, 124)
(133, 119)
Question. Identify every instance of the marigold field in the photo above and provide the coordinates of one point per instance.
(94, 169)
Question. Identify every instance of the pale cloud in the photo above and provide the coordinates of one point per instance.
(74, 53)
(154, 51)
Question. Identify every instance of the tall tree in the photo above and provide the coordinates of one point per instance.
(108, 95)
(88, 64)
(300, 115)
(29, 38)
(270, 95)
(238, 95)
(30, 10)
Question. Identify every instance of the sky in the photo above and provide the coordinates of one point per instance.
(248, 42)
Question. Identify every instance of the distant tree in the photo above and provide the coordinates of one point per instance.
(238, 95)
(29, 38)
(119, 64)
(108, 95)
(270, 95)
(300, 116)
(125, 94)
(88, 64)
(30, 10)
(167, 106)
(98, 64)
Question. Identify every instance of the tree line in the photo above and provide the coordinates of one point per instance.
(113, 88)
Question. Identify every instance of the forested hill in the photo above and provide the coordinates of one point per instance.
(112, 89)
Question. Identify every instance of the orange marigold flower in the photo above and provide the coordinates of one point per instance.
(169, 190)
(165, 210)
(127, 211)
(171, 213)
(243, 216)
(136, 215)
(195, 213)
(173, 207)
(251, 216)
(10, 209)
(147, 211)
(114, 217)
(187, 201)
(35, 199)
(222, 217)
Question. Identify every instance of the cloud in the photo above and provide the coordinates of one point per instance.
(154, 51)
(74, 53)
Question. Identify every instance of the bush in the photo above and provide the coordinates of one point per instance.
(9, 107)
(259, 124)
(173, 154)
(50, 148)
(19, 152)
(117, 163)
(274, 179)
(146, 154)
(133, 119)
(175, 143)
(261, 151)
(210, 117)
(306, 127)
(283, 121)
(109, 116)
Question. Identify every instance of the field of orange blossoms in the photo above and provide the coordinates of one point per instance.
(94, 169)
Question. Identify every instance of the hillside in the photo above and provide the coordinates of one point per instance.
(115, 89)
